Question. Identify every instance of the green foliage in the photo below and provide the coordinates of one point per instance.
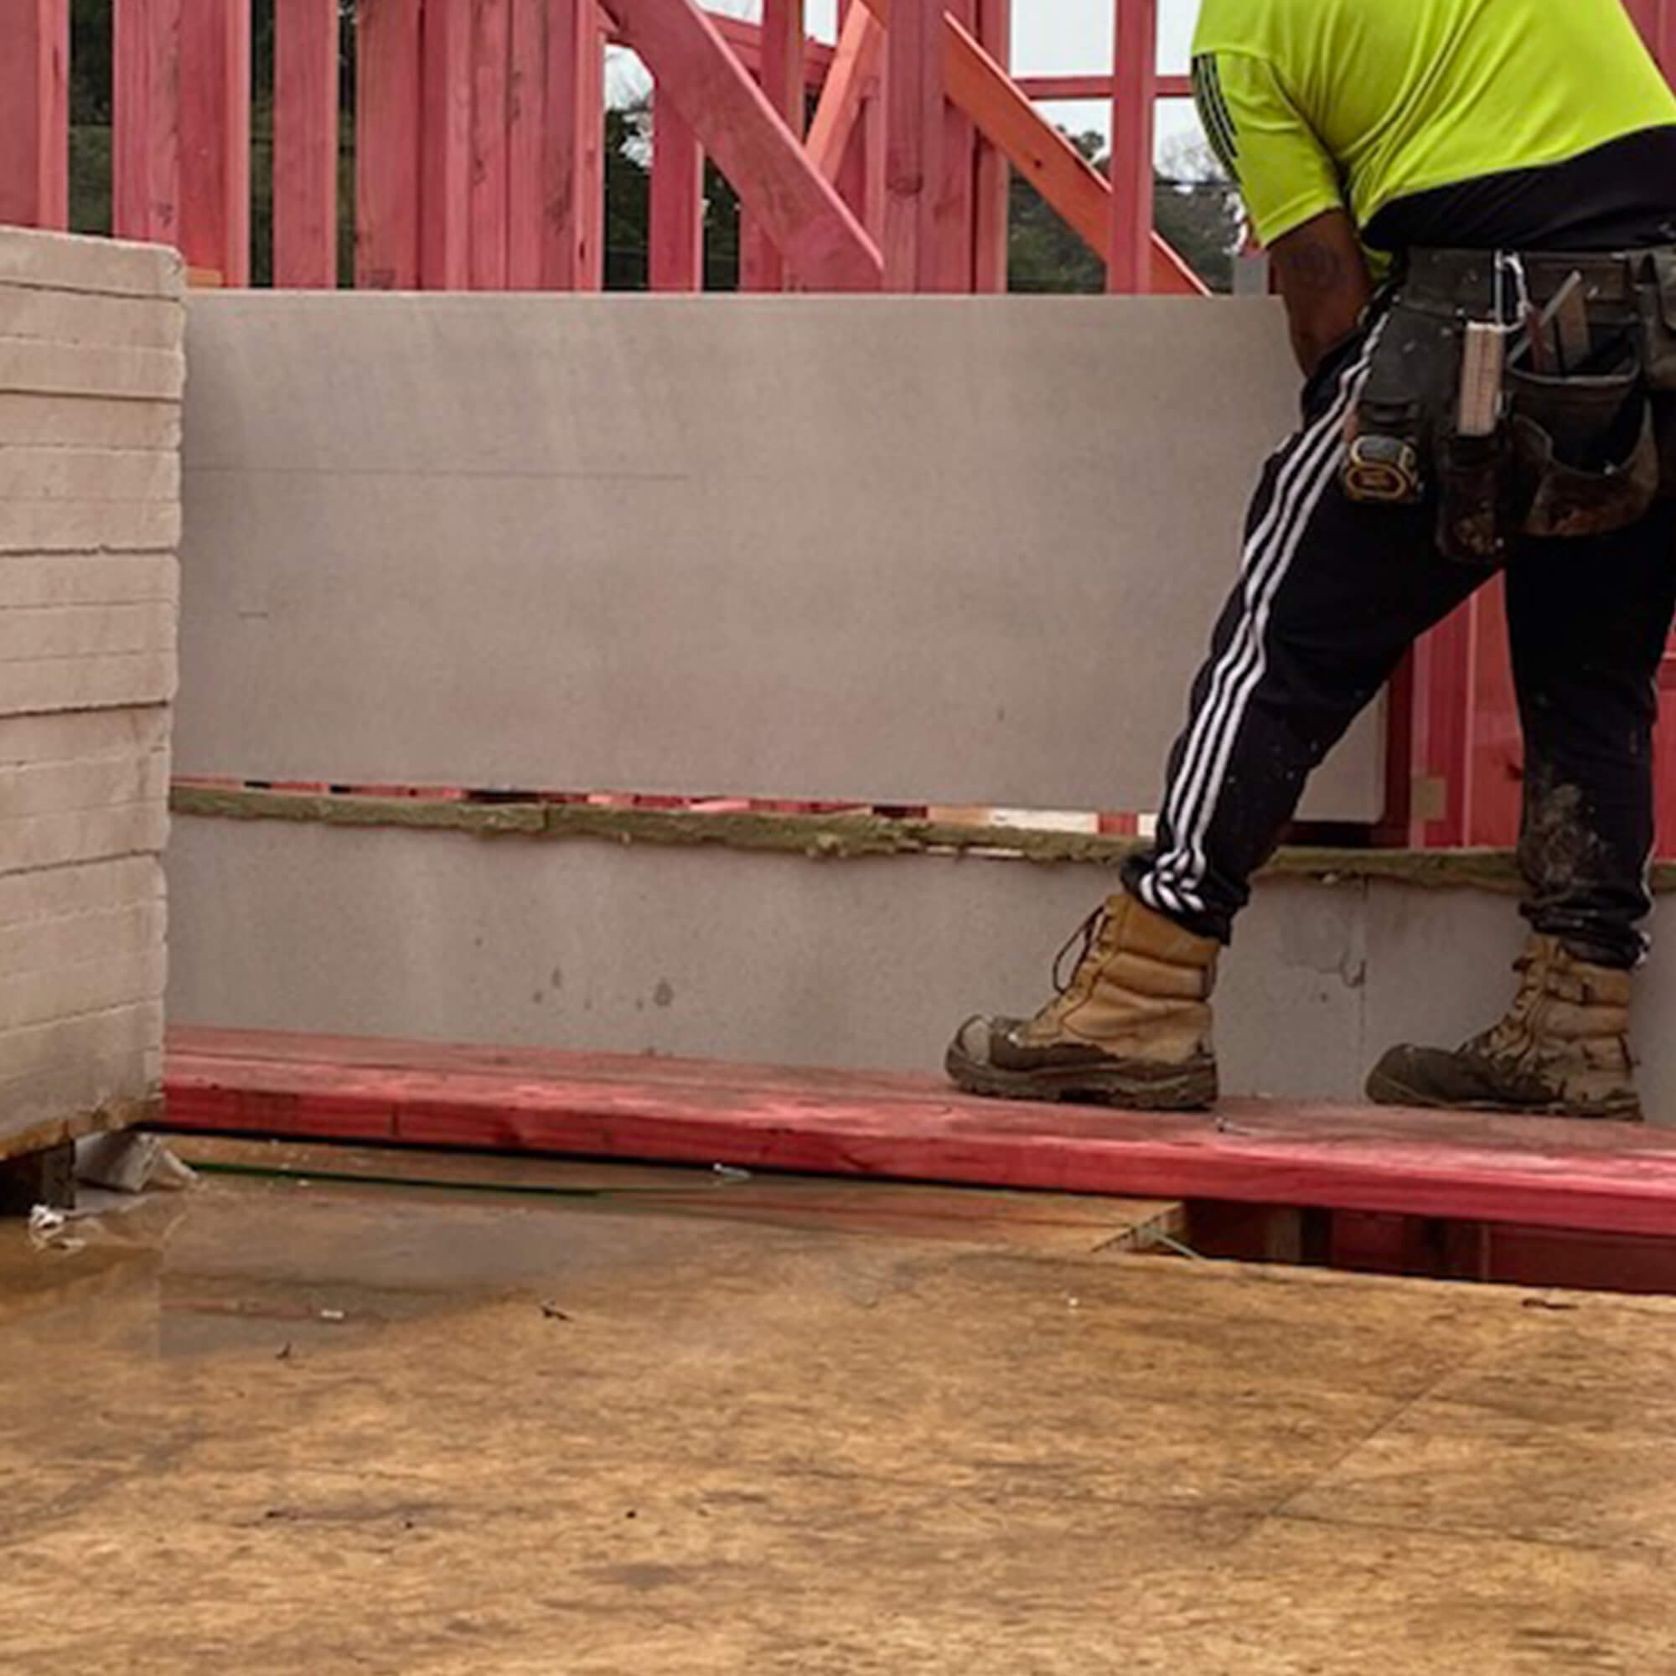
(90, 116)
(628, 154)
(1195, 209)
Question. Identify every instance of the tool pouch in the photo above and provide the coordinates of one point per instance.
(1409, 401)
(1474, 497)
(1586, 456)
(1656, 305)
(1409, 384)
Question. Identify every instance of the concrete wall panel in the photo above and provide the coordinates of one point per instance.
(86, 320)
(858, 964)
(92, 267)
(90, 382)
(78, 786)
(80, 1070)
(89, 475)
(719, 954)
(71, 422)
(88, 526)
(29, 367)
(35, 581)
(900, 550)
(95, 681)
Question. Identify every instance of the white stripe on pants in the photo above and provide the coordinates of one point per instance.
(1313, 461)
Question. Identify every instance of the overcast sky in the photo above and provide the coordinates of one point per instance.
(1057, 37)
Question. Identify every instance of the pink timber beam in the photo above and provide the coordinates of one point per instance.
(1134, 106)
(35, 113)
(957, 179)
(914, 99)
(1648, 16)
(676, 255)
(783, 82)
(1077, 192)
(1606, 1177)
(1441, 733)
(825, 248)
(992, 190)
(145, 120)
(445, 139)
(571, 189)
(526, 109)
(860, 168)
(306, 143)
(491, 67)
(745, 38)
(388, 161)
(855, 68)
(1095, 87)
(214, 72)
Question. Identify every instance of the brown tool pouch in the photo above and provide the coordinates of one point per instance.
(1585, 453)
(1576, 454)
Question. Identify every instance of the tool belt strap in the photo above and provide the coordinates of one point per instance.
(1466, 279)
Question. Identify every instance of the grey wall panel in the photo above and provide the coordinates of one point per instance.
(719, 954)
(910, 549)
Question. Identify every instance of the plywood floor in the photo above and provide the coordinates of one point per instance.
(277, 1427)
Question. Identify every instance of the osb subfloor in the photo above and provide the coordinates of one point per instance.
(307, 1428)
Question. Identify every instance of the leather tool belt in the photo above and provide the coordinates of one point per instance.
(1583, 439)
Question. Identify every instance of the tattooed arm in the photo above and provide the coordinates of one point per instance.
(1323, 278)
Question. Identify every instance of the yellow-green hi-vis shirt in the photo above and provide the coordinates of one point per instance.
(1314, 105)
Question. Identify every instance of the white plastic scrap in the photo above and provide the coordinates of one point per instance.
(130, 1163)
(49, 1230)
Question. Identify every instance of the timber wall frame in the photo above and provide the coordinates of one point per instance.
(880, 162)
(478, 140)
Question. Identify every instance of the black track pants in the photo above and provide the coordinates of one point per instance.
(1330, 596)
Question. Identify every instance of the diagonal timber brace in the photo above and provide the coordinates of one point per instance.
(824, 246)
(1003, 114)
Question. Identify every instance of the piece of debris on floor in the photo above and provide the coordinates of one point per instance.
(130, 1163)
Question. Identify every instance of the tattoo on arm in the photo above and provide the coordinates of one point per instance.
(1314, 264)
(1323, 276)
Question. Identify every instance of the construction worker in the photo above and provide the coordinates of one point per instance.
(1470, 210)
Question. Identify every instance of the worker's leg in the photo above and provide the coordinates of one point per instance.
(1588, 622)
(1331, 594)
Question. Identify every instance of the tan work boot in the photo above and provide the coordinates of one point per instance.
(1561, 1051)
(1131, 1028)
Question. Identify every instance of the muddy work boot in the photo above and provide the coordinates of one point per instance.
(1561, 1051)
(1130, 1028)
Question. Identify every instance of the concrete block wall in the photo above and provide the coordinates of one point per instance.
(91, 377)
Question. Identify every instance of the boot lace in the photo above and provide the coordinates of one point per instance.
(1088, 934)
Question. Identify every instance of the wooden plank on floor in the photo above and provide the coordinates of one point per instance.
(1057, 1222)
(1538, 1172)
